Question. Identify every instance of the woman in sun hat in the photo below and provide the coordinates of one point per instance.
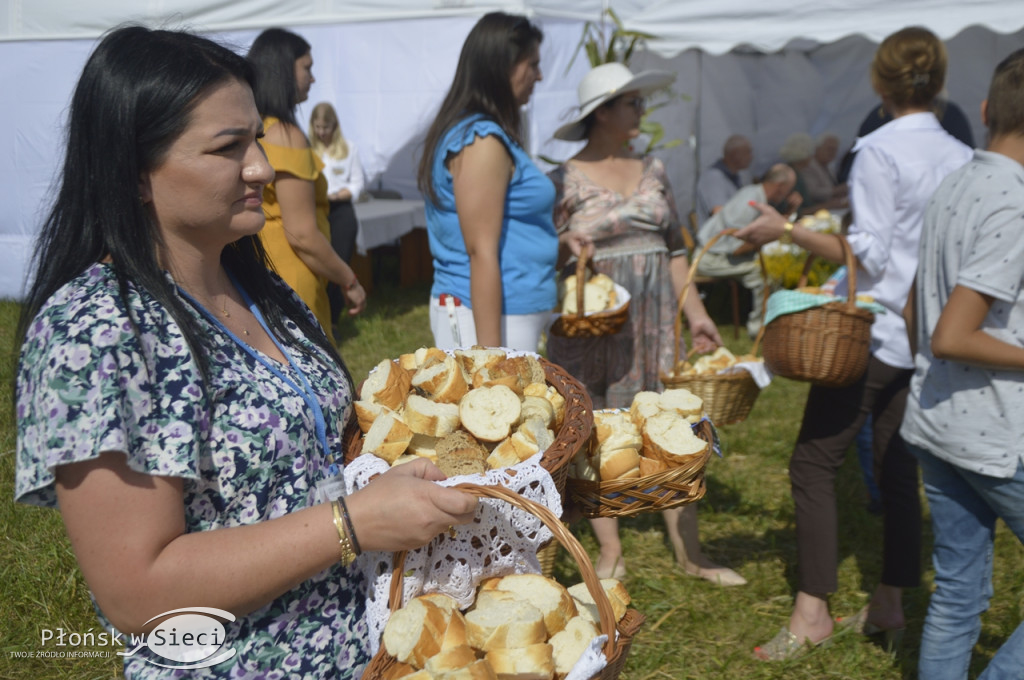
(623, 203)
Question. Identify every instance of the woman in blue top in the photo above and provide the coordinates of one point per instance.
(177, 401)
(489, 208)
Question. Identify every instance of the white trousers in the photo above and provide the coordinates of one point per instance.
(518, 331)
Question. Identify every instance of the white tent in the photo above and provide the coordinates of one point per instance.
(764, 70)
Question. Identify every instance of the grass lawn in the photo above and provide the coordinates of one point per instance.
(693, 630)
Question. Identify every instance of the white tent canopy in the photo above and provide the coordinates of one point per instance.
(764, 70)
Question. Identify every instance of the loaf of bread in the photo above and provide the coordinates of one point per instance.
(388, 437)
(548, 596)
(431, 418)
(669, 438)
(535, 662)
(489, 413)
(459, 453)
(569, 644)
(388, 384)
(504, 625)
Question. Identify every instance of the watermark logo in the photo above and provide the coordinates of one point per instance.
(193, 637)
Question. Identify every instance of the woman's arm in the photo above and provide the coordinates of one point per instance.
(480, 176)
(128, 533)
(297, 198)
(959, 337)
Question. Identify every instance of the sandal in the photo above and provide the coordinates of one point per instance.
(785, 646)
(891, 638)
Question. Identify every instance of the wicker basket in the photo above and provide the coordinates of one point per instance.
(663, 490)
(581, 325)
(728, 397)
(827, 345)
(570, 438)
(616, 648)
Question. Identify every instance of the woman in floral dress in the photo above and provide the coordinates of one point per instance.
(177, 401)
(624, 204)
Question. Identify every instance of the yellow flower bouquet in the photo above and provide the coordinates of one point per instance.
(784, 263)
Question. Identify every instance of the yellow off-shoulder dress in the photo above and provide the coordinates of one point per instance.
(304, 164)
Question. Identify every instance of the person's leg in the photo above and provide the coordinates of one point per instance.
(753, 281)
(610, 562)
(522, 331)
(684, 534)
(963, 527)
(866, 458)
(342, 218)
(445, 326)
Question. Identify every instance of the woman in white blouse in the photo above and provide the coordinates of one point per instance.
(898, 167)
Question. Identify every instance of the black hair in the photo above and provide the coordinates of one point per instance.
(134, 98)
(273, 55)
(482, 84)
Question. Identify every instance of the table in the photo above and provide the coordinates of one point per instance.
(385, 220)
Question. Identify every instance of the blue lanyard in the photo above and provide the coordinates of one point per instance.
(305, 391)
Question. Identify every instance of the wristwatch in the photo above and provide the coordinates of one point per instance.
(787, 234)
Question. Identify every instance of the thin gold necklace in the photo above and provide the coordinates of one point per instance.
(227, 314)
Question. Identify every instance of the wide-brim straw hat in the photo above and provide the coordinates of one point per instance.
(605, 82)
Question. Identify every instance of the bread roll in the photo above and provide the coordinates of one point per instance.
(503, 625)
(569, 644)
(670, 439)
(414, 633)
(388, 437)
(535, 662)
(490, 412)
(387, 384)
(547, 595)
(460, 454)
(442, 381)
(434, 419)
(682, 401)
(617, 594)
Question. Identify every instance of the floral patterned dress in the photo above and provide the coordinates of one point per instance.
(245, 448)
(634, 238)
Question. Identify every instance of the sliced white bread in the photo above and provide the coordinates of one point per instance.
(547, 595)
(615, 430)
(387, 384)
(367, 412)
(414, 633)
(490, 412)
(645, 404)
(442, 381)
(548, 392)
(424, 446)
(569, 644)
(478, 670)
(503, 455)
(540, 409)
(403, 459)
(431, 418)
(682, 401)
(489, 376)
(670, 439)
(504, 624)
(473, 359)
(388, 437)
(650, 467)
(617, 594)
(535, 662)
(451, 659)
(619, 464)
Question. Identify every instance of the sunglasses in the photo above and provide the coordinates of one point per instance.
(638, 104)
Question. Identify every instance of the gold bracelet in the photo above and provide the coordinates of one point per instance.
(787, 234)
(348, 555)
(349, 529)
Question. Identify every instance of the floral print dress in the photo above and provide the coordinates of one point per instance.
(244, 446)
(634, 238)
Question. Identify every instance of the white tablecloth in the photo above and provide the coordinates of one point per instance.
(383, 220)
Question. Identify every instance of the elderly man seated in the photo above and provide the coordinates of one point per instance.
(822, 189)
(731, 258)
(719, 182)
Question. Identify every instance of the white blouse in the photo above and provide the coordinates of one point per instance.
(346, 173)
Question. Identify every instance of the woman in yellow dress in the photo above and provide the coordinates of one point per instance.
(297, 233)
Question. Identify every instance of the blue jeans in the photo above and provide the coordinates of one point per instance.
(964, 507)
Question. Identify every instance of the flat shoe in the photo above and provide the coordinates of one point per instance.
(721, 576)
(892, 638)
(617, 572)
(785, 646)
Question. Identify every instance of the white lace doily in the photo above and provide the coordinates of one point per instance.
(501, 540)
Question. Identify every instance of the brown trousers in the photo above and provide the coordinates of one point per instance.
(832, 419)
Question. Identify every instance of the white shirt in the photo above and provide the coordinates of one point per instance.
(714, 188)
(896, 170)
(346, 173)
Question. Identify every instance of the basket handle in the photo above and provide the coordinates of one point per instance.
(689, 284)
(581, 270)
(851, 270)
(564, 536)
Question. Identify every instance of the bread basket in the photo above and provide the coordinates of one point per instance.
(581, 325)
(615, 649)
(570, 438)
(663, 490)
(827, 345)
(728, 397)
